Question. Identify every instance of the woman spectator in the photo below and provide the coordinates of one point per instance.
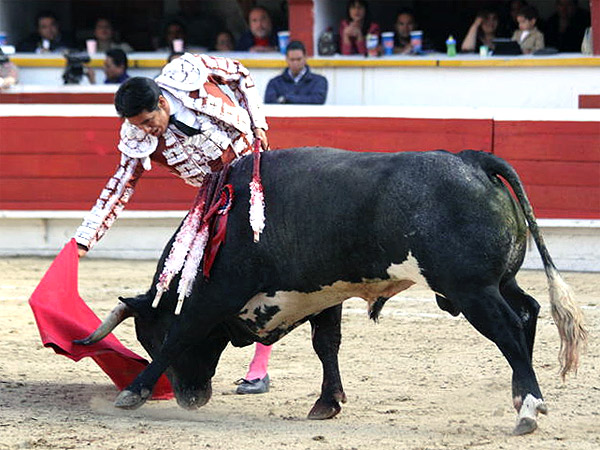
(355, 27)
(104, 33)
(224, 42)
(482, 32)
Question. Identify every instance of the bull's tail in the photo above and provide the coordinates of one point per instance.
(567, 315)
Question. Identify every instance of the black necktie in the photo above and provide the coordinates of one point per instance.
(185, 129)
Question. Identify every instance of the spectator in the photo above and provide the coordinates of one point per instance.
(587, 46)
(260, 37)
(530, 39)
(508, 20)
(174, 55)
(482, 31)
(355, 27)
(115, 68)
(104, 33)
(565, 29)
(173, 30)
(200, 23)
(297, 84)
(9, 73)
(405, 23)
(224, 42)
(47, 37)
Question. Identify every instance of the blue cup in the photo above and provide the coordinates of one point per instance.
(416, 40)
(284, 39)
(387, 39)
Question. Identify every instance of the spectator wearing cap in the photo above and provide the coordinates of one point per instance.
(297, 83)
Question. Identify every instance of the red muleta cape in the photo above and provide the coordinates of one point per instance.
(62, 316)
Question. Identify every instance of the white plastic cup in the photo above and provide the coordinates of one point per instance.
(372, 42)
(283, 38)
(178, 45)
(416, 41)
(91, 46)
(484, 51)
(387, 39)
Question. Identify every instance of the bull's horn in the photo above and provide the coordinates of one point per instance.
(116, 316)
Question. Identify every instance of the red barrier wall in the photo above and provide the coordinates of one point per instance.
(559, 162)
(63, 163)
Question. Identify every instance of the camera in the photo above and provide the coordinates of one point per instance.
(74, 70)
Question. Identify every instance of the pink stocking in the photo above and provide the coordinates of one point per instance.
(260, 362)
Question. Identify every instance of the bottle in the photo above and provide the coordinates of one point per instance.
(450, 46)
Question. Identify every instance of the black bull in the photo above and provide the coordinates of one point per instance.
(342, 224)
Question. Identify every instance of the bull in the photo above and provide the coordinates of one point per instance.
(342, 224)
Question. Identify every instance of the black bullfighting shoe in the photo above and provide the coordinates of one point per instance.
(257, 386)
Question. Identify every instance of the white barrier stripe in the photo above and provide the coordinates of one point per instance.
(179, 214)
(78, 214)
(371, 111)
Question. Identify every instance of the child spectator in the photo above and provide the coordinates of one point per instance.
(355, 27)
(530, 39)
(508, 18)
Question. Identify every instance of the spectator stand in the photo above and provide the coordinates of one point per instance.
(553, 81)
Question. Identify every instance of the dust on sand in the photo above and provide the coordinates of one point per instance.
(419, 379)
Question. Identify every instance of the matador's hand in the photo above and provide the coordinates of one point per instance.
(81, 250)
(262, 135)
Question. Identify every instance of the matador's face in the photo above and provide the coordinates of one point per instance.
(153, 122)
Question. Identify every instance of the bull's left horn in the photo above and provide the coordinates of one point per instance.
(116, 316)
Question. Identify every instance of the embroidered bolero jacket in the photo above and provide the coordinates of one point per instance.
(192, 82)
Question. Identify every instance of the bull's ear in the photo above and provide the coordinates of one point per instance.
(140, 304)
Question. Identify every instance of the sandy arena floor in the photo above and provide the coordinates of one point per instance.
(420, 379)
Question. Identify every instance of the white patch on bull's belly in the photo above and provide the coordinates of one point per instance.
(408, 270)
(294, 306)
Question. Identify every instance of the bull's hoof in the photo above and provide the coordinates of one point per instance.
(132, 400)
(193, 399)
(325, 410)
(525, 425)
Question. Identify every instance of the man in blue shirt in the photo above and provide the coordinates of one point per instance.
(115, 68)
(297, 84)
